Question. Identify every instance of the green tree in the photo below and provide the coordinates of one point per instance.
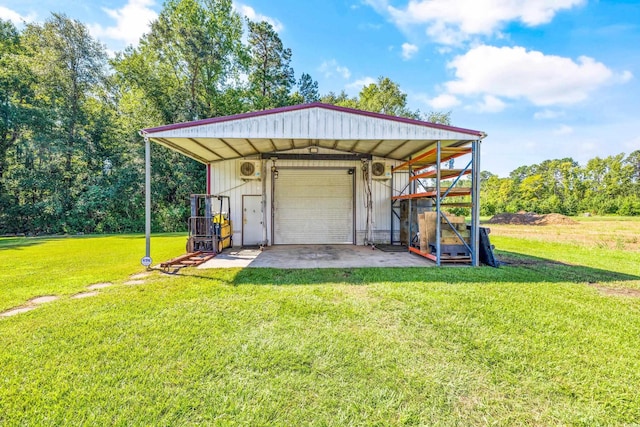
(55, 159)
(270, 74)
(188, 67)
(190, 58)
(308, 89)
(439, 117)
(385, 97)
(16, 95)
(341, 100)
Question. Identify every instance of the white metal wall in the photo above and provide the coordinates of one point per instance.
(224, 180)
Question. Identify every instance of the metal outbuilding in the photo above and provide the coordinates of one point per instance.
(322, 174)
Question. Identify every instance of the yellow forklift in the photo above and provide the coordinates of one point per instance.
(210, 228)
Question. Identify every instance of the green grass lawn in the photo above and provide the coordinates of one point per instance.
(39, 266)
(536, 342)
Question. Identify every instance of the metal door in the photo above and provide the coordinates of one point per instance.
(251, 220)
(314, 206)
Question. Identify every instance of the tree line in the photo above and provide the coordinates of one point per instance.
(71, 158)
(603, 186)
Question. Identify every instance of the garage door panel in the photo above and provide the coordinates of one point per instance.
(313, 206)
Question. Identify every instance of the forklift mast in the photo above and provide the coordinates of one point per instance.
(210, 228)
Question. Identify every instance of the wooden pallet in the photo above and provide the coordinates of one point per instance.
(192, 259)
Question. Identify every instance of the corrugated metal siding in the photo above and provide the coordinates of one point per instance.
(224, 180)
(313, 206)
(314, 123)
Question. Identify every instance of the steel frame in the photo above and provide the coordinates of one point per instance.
(439, 155)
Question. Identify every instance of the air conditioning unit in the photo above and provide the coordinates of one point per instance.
(250, 169)
(380, 170)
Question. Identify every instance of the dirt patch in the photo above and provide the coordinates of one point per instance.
(134, 282)
(139, 276)
(619, 292)
(531, 218)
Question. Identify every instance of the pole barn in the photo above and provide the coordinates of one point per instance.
(322, 174)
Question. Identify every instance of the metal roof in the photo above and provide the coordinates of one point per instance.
(301, 126)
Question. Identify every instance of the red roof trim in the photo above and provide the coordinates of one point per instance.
(303, 107)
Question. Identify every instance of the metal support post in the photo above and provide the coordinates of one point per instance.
(475, 204)
(438, 201)
(263, 204)
(392, 211)
(412, 189)
(369, 199)
(146, 261)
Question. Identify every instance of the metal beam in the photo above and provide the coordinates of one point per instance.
(475, 201)
(354, 145)
(438, 202)
(181, 150)
(206, 148)
(147, 196)
(230, 147)
(396, 148)
(253, 146)
(376, 146)
(289, 156)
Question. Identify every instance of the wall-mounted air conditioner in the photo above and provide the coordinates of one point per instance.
(250, 169)
(380, 170)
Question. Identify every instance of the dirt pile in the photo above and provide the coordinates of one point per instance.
(531, 218)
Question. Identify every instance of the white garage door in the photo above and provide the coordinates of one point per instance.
(313, 206)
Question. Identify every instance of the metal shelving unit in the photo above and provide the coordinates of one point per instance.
(429, 166)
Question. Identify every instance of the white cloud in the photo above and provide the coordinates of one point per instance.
(490, 104)
(443, 102)
(331, 68)
(360, 83)
(547, 114)
(625, 76)
(13, 16)
(632, 144)
(563, 130)
(132, 21)
(453, 21)
(409, 50)
(514, 72)
(251, 13)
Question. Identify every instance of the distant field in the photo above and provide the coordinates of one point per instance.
(551, 338)
(620, 233)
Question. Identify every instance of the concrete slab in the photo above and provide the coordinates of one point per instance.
(230, 258)
(315, 256)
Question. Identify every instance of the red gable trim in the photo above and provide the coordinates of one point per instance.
(303, 107)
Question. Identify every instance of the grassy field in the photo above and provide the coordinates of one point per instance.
(549, 339)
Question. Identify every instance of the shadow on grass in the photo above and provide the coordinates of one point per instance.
(518, 268)
(153, 235)
(25, 242)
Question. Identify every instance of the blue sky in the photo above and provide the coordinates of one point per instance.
(543, 78)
